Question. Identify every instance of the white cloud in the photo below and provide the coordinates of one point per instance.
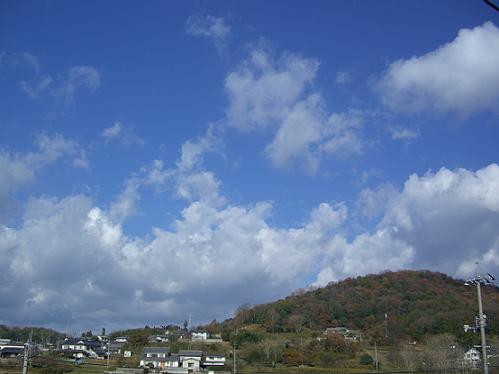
(81, 161)
(403, 133)
(18, 170)
(373, 203)
(261, 90)
(156, 175)
(268, 93)
(342, 77)
(118, 278)
(366, 254)
(76, 78)
(122, 134)
(64, 86)
(307, 134)
(112, 132)
(22, 59)
(103, 275)
(450, 217)
(460, 76)
(34, 90)
(214, 28)
(51, 149)
(441, 221)
(126, 203)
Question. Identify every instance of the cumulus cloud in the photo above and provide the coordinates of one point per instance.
(214, 28)
(122, 134)
(118, 278)
(460, 76)
(444, 221)
(441, 221)
(104, 275)
(451, 217)
(275, 94)
(261, 90)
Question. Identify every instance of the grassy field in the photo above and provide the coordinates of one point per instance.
(89, 366)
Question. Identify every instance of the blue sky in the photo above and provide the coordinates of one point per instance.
(173, 158)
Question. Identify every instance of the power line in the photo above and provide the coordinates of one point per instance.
(492, 5)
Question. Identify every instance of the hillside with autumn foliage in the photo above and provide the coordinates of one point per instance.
(416, 303)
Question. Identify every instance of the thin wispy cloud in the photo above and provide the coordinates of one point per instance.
(343, 77)
(122, 134)
(404, 133)
(62, 86)
(19, 59)
(19, 170)
(214, 28)
(75, 79)
(38, 87)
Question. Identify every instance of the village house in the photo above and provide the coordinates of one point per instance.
(155, 357)
(199, 336)
(80, 347)
(158, 339)
(212, 360)
(191, 360)
(350, 335)
(116, 347)
(183, 362)
(11, 349)
(472, 358)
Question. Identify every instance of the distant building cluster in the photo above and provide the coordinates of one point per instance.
(183, 362)
(350, 335)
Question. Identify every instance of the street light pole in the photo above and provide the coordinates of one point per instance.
(486, 279)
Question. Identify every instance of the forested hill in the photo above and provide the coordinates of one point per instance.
(38, 334)
(417, 304)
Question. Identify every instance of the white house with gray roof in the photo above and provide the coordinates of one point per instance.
(191, 360)
(158, 357)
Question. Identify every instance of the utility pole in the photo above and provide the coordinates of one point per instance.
(386, 325)
(26, 353)
(108, 345)
(234, 368)
(478, 280)
(482, 329)
(376, 356)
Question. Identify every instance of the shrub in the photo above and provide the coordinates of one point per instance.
(366, 359)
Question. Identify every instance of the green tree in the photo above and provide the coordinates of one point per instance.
(366, 359)
(139, 338)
